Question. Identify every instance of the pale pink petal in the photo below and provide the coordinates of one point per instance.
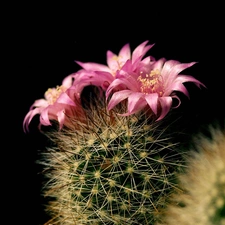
(40, 103)
(65, 99)
(168, 66)
(148, 60)
(176, 86)
(61, 118)
(133, 100)
(158, 65)
(140, 51)
(124, 82)
(140, 104)
(128, 66)
(93, 66)
(176, 69)
(166, 104)
(112, 60)
(171, 69)
(187, 78)
(117, 97)
(104, 76)
(98, 78)
(67, 81)
(29, 117)
(152, 100)
(178, 99)
(44, 118)
(125, 52)
(116, 62)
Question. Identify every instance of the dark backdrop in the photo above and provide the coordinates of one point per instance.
(42, 43)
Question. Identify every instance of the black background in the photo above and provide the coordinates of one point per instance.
(40, 45)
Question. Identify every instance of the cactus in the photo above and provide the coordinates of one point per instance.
(108, 170)
(202, 197)
(113, 156)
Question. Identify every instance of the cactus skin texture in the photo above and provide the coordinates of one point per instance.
(202, 199)
(108, 170)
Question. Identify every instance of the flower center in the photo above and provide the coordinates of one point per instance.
(52, 94)
(151, 83)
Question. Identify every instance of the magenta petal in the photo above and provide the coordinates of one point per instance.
(65, 99)
(152, 100)
(117, 97)
(166, 104)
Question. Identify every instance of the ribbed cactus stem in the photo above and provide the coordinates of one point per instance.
(202, 199)
(108, 170)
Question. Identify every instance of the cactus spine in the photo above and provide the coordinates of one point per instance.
(108, 170)
(202, 199)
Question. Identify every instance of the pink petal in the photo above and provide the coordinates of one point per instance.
(67, 81)
(187, 78)
(176, 86)
(98, 78)
(125, 52)
(123, 82)
(133, 99)
(152, 100)
(40, 103)
(117, 97)
(93, 66)
(44, 118)
(171, 69)
(65, 99)
(166, 104)
(128, 66)
(112, 60)
(140, 51)
(168, 66)
(178, 99)
(139, 105)
(29, 117)
(61, 118)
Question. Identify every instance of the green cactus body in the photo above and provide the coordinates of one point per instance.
(202, 199)
(108, 170)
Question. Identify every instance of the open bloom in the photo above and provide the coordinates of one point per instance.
(152, 85)
(56, 104)
(102, 75)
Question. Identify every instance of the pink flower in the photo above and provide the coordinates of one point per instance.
(114, 62)
(152, 86)
(102, 75)
(56, 104)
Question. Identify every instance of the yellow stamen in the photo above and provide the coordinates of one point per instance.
(52, 94)
(151, 82)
